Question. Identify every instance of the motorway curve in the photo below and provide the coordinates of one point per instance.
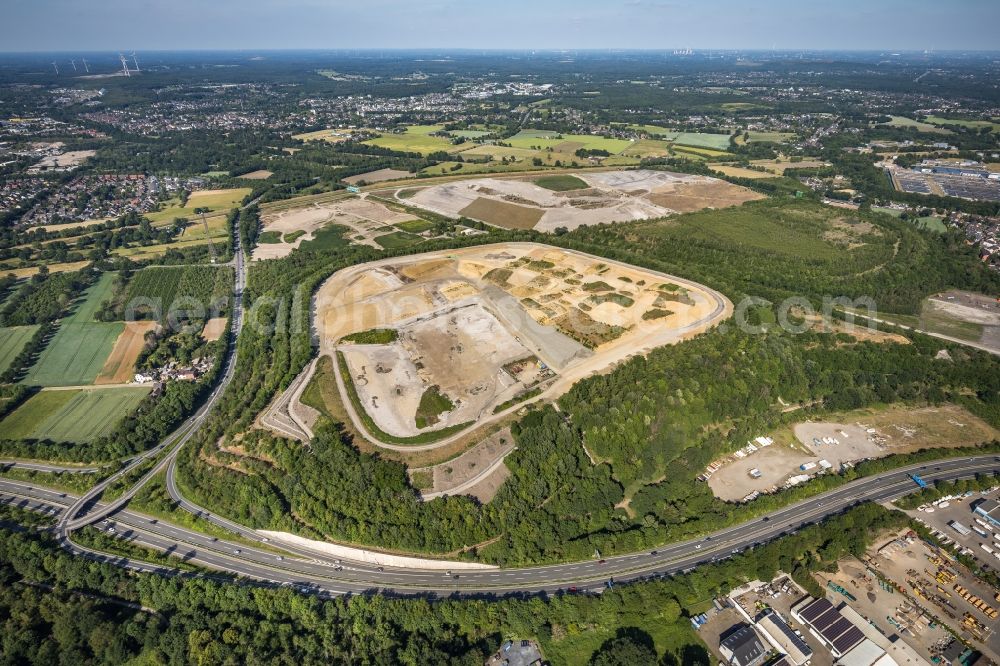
(313, 571)
(316, 574)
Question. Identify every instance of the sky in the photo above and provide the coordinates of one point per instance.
(112, 25)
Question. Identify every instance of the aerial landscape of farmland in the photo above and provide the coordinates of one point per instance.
(646, 333)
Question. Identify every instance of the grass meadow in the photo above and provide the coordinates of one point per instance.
(78, 415)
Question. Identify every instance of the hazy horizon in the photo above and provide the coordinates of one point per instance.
(33, 26)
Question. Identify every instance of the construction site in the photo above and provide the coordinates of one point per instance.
(364, 219)
(446, 340)
(609, 196)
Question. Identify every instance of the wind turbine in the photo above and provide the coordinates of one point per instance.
(124, 64)
(56, 67)
(73, 62)
(135, 60)
(85, 67)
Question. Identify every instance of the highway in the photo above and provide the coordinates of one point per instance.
(84, 510)
(313, 573)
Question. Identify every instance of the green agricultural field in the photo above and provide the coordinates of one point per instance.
(78, 415)
(158, 287)
(76, 353)
(567, 143)
(12, 341)
(95, 296)
(902, 121)
(535, 134)
(530, 140)
(469, 134)
(497, 152)
(648, 148)
(561, 183)
(771, 137)
(219, 201)
(654, 131)
(968, 124)
(702, 140)
(416, 139)
(397, 239)
(23, 421)
(415, 226)
(699, 152)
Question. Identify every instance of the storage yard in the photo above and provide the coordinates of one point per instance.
(858, 586)
(479, 330)
(948, 517)
(953, 182)
(920, 575)
(609, 196)
(813, 447)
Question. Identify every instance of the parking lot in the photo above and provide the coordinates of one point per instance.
(960, 510)
(516, 653)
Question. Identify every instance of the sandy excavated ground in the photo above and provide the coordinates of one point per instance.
(259, 174)
(214, 328)
(366, 219)
(613, 196)
(463, 314)
(119, 368)
(70, 158)
(970, 307)
(461, 351)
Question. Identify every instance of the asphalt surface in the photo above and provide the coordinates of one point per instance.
(316, 574)
(311, 571)
(85, 510)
